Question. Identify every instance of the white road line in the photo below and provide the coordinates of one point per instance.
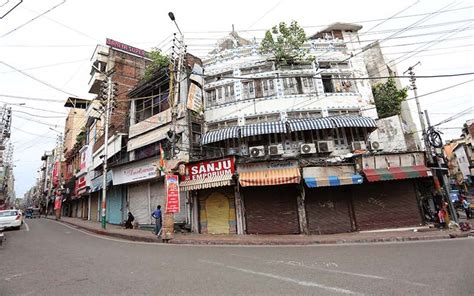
(286, 279)
(300, 264)
(26, 226)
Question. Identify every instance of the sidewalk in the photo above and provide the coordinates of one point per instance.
(422, 233)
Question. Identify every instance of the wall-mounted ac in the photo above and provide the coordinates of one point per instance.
(375, 145)
(276, 149)
(325, 146)
(257, 151)
(308, 148)
(358, 145)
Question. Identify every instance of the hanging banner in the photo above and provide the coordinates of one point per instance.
(56, 173)
(194, 98)
(172, 194)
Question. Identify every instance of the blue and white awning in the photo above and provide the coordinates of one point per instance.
(331, 176)
(305, 124)
(220, 135)
(263, 128)
(353, 121)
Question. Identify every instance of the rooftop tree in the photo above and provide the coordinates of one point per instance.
(388, 98)
(158, 61)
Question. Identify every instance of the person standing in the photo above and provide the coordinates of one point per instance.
(158, 219)
(466, 206)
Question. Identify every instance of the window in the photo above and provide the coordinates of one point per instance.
(327, 84)
(248, 91)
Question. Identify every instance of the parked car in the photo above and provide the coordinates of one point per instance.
(10, 219)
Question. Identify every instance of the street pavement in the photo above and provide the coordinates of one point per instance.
(49, 258)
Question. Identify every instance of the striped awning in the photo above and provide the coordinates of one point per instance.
(263, 128)
(397, 173)
(211, 182)
(270, 177)
(353, 121)
(304, 124)
(331, 176)
(220, 135)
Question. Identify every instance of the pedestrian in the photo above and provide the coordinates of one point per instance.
(128, 223)
(158, 218)
(467, 207)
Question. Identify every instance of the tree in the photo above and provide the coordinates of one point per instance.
(285, 43)
(158, 61)
(388, 98)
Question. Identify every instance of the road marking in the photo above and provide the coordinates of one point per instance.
(301, 264)
(26, 226)
(282, 278)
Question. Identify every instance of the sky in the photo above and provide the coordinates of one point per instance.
(46, 46)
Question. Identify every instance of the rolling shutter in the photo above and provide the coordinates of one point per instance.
(139, 203)
(388, 204)
(271, 209)
(327, 210)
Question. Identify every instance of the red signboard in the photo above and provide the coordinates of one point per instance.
(172, 194)
(207, 169)
(80, 185)
(125, 47)
(56, 173)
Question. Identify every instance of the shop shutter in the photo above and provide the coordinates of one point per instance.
(114, 205)
(94, 207)
(138, 204)
(271, 209)
(327, 209)
(386, 204)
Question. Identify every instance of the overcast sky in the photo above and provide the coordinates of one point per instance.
(56, 48)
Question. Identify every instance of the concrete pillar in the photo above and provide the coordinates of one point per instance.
(301, 209)
(239, 210)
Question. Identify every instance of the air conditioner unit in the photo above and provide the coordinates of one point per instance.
(374, 145)
(233, 151)
(325, 146)
(358, 145)
(308, 148)
(257, 151)
(276, 149)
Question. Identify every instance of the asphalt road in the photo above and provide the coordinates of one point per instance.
(48, 258)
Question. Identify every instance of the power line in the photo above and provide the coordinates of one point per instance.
(41, 116)
(33, 108)
(31, 98)
(46, 66)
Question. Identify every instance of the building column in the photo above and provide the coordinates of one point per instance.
(300, 199)
(239, 210)
(194, 213)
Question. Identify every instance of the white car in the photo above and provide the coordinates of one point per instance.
(10, 219)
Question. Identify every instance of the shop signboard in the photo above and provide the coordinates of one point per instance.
(125, 47)
(207, 169)
(267, 166)
(133, 172)
(194, 98)
(172, 194)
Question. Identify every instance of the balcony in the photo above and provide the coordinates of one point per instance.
(95, 81)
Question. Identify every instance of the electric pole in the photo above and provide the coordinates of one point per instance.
(60, 155)
(107, 94)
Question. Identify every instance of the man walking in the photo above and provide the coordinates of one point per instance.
(157, 215)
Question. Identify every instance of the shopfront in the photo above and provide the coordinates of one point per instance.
(269, 191)
(328, 198)
(211, 186)
(96, 195)
(389, 199)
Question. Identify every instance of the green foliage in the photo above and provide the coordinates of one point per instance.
(388, 98)
(158, 61)
(285, 43)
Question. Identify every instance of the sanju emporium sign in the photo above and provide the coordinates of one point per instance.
(207, 169)
(125, 47)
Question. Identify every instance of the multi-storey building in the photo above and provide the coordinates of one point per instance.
(280, 140)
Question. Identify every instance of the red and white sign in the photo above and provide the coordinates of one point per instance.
(56, 173)
(125, 47)
(207, 169)
(81, 184)
(172, 194)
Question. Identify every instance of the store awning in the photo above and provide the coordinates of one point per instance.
(304, 124)
(220, 135)
(263, 128)
(330, 176)
(397, 173)
(270, 177)
(353, 121)
(211, 182)
(96, 183)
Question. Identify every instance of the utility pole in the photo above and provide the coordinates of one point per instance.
(108, 98)
(427, 142)
(444, 176)
(60, 154)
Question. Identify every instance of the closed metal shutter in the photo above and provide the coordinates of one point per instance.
(271, 209)
(327, 210)
(94, 207)
(114, 205)
(386, 204)
(139, 203)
